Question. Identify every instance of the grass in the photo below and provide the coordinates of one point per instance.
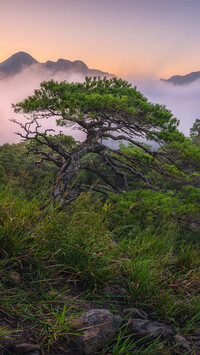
(123, 344)
(66, 259)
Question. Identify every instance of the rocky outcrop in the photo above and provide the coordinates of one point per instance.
(150, 330)
(98, 326)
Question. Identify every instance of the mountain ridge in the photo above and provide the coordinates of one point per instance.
(22, 60)
(183, 79)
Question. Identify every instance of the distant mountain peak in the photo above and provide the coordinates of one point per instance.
(18, 61)
(22, 56)
(183, 79)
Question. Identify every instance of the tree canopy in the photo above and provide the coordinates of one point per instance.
(106, 110)
(195, 132)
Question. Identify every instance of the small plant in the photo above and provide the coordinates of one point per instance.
(7, 334)
(187, 257)
(57, 325)
(125, 344)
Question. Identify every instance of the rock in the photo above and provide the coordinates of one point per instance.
(151, 330)
(15, 277)
(98, 326)
(134, 313)
(24, 348)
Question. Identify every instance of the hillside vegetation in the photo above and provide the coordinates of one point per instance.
(107, 251)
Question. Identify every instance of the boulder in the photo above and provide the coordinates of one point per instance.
(97, 326)
(151, 330)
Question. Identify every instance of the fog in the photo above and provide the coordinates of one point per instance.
(17, 88)
(182, 101)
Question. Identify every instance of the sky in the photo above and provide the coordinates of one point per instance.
(125, 37)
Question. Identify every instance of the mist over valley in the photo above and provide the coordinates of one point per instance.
(21, 74)
(182, 101)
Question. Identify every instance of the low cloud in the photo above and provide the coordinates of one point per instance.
(182, 101)
(17, 88)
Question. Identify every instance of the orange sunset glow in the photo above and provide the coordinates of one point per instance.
(122, 37)
(141, 41)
